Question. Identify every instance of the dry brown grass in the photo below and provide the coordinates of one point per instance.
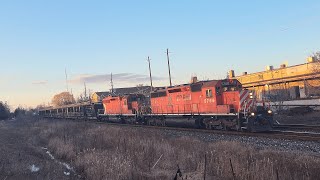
(108, 152)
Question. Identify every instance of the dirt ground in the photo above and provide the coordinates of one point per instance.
(21, 153)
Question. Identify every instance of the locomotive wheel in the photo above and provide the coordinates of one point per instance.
(225, 127)
(163, 122)
(199, 123)
(238, 128)
(122, 121)
(250, 124)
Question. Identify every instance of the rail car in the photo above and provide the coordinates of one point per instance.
(215, 104)
(73, 111)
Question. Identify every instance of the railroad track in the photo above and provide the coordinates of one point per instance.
(303, 127)
(275, 134)
(295, 135)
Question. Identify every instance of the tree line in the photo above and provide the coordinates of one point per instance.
(4, 110)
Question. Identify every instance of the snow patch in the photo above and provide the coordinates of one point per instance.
(67, 166)
(69, 169)
(51, 156)
(34, 168)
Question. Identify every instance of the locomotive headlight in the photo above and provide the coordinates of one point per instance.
(269, 111)
(251, 95)
(252, 114)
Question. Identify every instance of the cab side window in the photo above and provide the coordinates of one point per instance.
(208, 93)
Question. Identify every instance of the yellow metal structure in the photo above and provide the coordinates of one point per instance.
(297, 81)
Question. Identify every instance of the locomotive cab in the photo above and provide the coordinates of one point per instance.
(260, 120)
(257, 116)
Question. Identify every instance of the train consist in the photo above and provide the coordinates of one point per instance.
(214, 104)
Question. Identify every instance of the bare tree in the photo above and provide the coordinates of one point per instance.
(63, 98)
(316, 56)
(316, 59)
(314, 85)
(19, 111)
(42, 106)
(83, 98)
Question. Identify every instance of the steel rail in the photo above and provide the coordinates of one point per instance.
(297, 127)
(275, 134)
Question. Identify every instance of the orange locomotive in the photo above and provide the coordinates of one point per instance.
(124, 105)
(215, 104)
(207, 97)
(124, 108)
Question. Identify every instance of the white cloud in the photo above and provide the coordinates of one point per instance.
(39, 82)
(120, 77)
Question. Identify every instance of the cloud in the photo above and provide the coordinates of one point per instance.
(120, 77)
(39, 82)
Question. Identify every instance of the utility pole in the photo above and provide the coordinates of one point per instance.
(150, 73)
(85, 91)
(111, 82)
(65, 71)
(89, 95)
(169, 66)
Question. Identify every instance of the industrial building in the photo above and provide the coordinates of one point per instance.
(285, 82)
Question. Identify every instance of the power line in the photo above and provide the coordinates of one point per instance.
(85, 90)
(65, 71)
(111, 82)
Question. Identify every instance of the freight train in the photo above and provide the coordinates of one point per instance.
(214, 104)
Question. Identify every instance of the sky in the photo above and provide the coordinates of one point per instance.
(92, 39)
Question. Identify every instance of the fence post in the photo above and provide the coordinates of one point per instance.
(205, 166)
(234, 176)
(178, 174)
(277, 173)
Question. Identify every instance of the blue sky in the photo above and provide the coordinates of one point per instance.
(39, 39)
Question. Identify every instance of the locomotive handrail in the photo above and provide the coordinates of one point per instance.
(244, 109)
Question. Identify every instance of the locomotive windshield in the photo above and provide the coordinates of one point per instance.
(230, 86)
